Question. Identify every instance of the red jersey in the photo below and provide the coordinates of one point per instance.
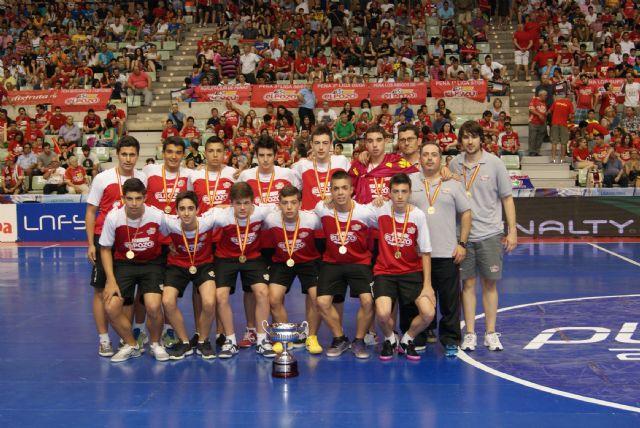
(140, 235)
(11, 175)
(541, 107)
(116, 117)
(560, 111)
(190, 132)
(160, 195)
(43, 118)
(509, 141)
(76, 175)
(600, 152)
(584, 97)
(607, 100)
(583, 154)
(356, 240)
(22, 121)
(445, 139)
(314, 187)
(266, 190)
(303, 249)
(411, 239)
(624, 152)
(370, 182)
(57, 120)
(232, 117)
(106, 193)
(285, 142)
(170, 132)
(171, 226)
(230, 242)
(219, 187)
(91, 121)
(243, 142)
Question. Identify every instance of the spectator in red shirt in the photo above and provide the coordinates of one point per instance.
(540, 59)
(169, 130)
(509, 140)
(13, 177)
(523, 44)
(118, 118)
(537, 122)
(57, 120)
(562, 112)
(581, 155)
(91, 124)
(138, 83)
(585, 98)
(190, 131)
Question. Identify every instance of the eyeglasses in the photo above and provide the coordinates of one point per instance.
(407, 140)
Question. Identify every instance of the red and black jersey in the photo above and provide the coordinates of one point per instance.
(140, 235)
(303, 249)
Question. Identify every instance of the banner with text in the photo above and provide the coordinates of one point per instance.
(82, 99)
(472, 89)
(393, 92)
(285, 95)
(234, 93)
(51, 222)
(8, 223)
(616, 86)
(31, 98)
(338, 93)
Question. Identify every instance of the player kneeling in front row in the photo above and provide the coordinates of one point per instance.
(191, 261)
(291, 233)
(133, 231)
(403, 268)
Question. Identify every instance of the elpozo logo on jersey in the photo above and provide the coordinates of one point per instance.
(583, 348)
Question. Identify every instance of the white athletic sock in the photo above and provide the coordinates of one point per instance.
(253, 329)
(406, 339)
(104, 338)
(165, 328)
(232, 339)
(391, 339)
(261, 337)
(141, 326)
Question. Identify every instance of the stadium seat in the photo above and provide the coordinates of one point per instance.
(483, 48)
(113, 47)
(103, 153)
(3, 154)
(164, 55)
(206, 135)
(77, 151)
(347, 150)
(168, 45)
(152, 75)
(512, 162)
(451, 47)
(433, 31)
(582, 177)
(433, 21)
(134, 100)
(37, 184)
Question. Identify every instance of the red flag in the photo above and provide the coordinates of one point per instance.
(392, 163)
(56, 147)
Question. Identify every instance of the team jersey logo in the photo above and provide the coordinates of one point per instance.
(404, 241)
(250, 239)
(335, 238)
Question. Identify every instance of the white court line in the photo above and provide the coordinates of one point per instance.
(613, 253)
(50, 246)
(469, 360)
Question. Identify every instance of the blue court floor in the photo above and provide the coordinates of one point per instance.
(585, 373)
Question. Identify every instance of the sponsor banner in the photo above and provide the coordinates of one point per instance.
(616, 86)
(51, 222)
(30, 98)
(286, 95)
(8, 223)
(338, 93)
(576, 216)
(472, 89)
(520, 181)
(28, 198)
(82, 99)
(235, 93)
(392, 93)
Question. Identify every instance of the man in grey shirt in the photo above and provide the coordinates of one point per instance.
(71, 133)
(306, 103)
(44, 159)
(446, 208)
(488, 186)
(28, 161)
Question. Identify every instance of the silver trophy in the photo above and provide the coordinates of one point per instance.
(284, 364)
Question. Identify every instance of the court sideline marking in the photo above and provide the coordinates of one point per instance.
(613, 253)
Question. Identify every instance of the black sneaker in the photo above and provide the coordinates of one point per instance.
(220, 340)
(387, 351)
(179, 351)
(194, 340)
(409, 351)
(205, 350)
(420, 341)
(431, 336)
(339, 345)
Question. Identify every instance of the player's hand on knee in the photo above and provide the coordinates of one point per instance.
(91, 254)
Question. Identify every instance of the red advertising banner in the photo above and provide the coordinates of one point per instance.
(30, 98)
(235, 93)
(338, 93)
(286, 95)
(472, 89)
(616, 85)
(82, 99)
(392, 93)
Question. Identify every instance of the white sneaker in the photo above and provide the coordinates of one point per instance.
(469, 342)
(158, 352)
(492, 341)
(105, 349)
(371, 338)
(126, 352)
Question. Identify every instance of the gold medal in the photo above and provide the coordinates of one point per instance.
(242, 258)
(264, 199)
(432, 201)
(343, 235)
(168, 197)
(342, 249)
(167, 209)
(431, 210)
(468, 194)
(291, 263)
(322, 189)
(242, 242)
(290, 247)
(211, 196)
(397, 255)
(130, 254)
(193, 270)
(192, 256)
(467, 185)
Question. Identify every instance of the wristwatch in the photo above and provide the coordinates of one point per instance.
(462, 244)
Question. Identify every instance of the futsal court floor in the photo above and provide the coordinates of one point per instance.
(583, 374)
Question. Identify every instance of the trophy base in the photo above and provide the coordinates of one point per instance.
(285, 370)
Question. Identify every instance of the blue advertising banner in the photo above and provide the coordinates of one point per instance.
(51, 222)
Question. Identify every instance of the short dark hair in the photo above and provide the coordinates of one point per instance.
(375, 129)
(431, 143)
(134, 185)
(187, 194)
(266, 142)
(214, 139)
(340, 175)
(128, 141)
(471, 127)
(409, 127)
(290, 190)
(321, 130)
(400, 178)
(174, 140)
(241, 190)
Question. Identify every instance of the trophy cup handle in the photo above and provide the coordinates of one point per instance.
(304, 325)
(265, 326)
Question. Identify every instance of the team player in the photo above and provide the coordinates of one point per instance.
(402, 271)
(106, 194)
(316, 172)
(212, 184)
(488, 186)
(347, 263)
(239, 252)
(190, 261)
(447, 208)
(132, 232)
(266, 180)
(164, 183)
(292, 234)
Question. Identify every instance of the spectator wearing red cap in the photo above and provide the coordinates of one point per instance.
(13, 177)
